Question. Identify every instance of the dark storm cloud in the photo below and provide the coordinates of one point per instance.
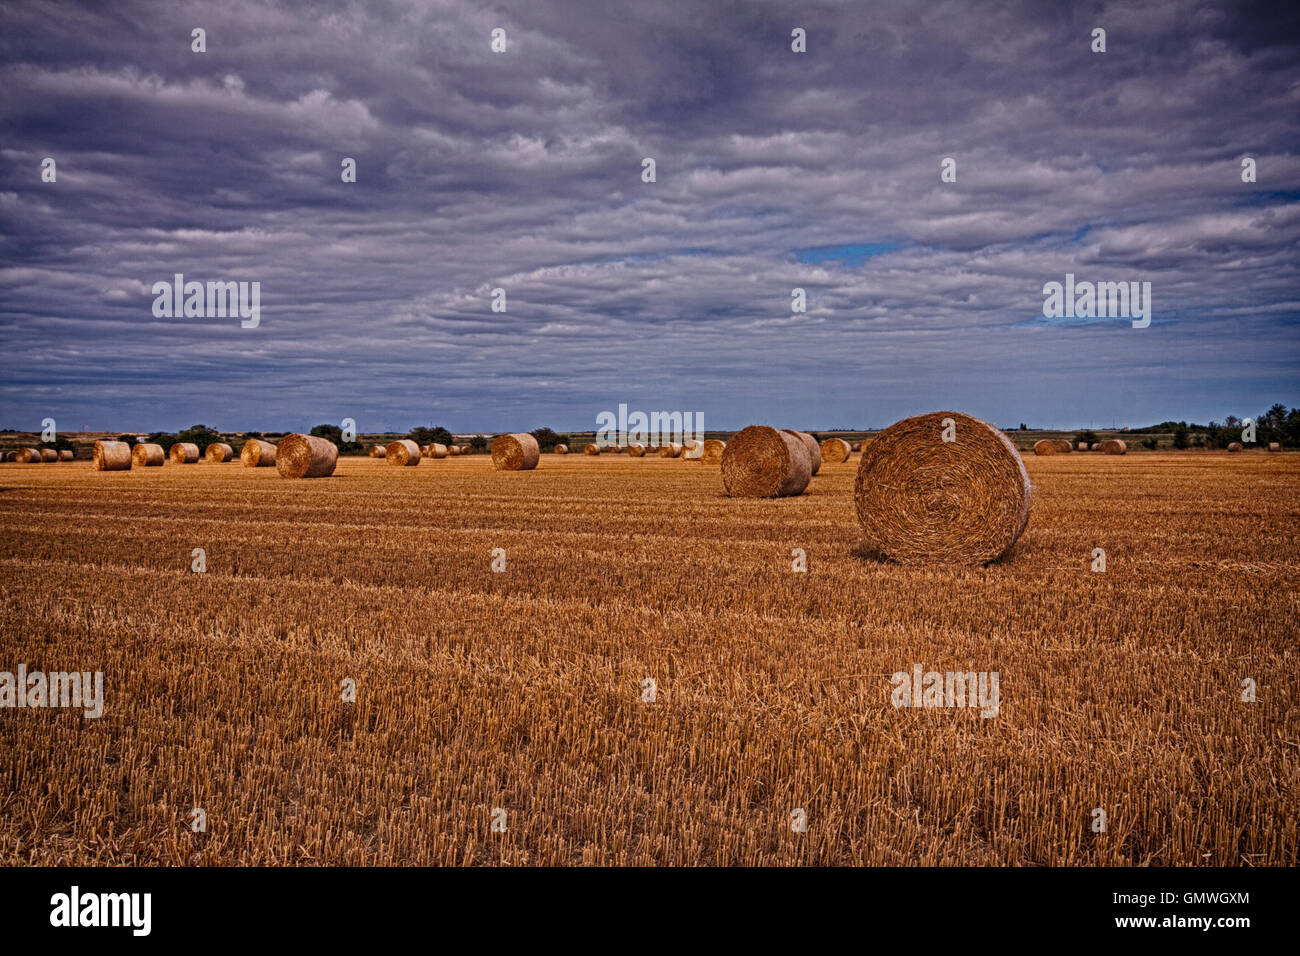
(522, 171)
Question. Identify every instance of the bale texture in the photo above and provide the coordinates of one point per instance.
(713, 448)
(437, 451)
(560, 450)
(1113, 446)
(147, 455)
(763, 462)
(257, 453)
(403, 452)
(922, 500)
(219, 452)
(65, 454)
(378, 451)
(184, 453)
(306, 456)
(112, 456)
(1235, 446)
(836, 450)
(814, 449)
(516, 452)
(1045, 446)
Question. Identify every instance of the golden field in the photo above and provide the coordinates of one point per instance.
(522, 690)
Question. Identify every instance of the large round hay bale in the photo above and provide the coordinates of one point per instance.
(1063, 446)
(814, 449)
(112, 456)
(560, 450)
(378, 451)
(517, 452)
(713, 449)
(763, 462)
(1045, 446)
(219, 452)
(30, 456)
(1235, 446)
(836, 450)
(148, 455)
(257, 453)
(921, 499)
(306, 456)
(65, 454)
(184, 453)
(671, 450)
(437, 451)
(1274, 446)
(49, 454)
(403, 452)
(636, 449)
(1113, 446)
(591, 449)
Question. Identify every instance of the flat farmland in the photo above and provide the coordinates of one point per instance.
(518, 696)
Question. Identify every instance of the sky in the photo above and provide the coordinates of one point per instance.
(774, 170)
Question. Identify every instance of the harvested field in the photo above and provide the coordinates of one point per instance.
(522, 690)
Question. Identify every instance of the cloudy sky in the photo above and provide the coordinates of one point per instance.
(523, 171)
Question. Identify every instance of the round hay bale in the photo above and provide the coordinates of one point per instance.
(814, 449)
(1095, 446)
(378, 451)
(219, 452)
(257, 453)
(1113, 446)
(453, 450)
(1045, 446)
(1235, 446)
(437, 451)
(65, 454)
(49, 454)
(922, 500)
(693, 449)
(517, 452)
(403, 452)
(1082, 446)
(9, 456)
(30, 456)
(636, 449)
(672, 450)
(560, 450)
(307, 456)
(763, 462)
(713, 449)
(465, 449)
(148, 455)
(1063, 446)
(1274, 446)
(618, 449)
(591, 449)
(112, 456)
(836, 450)
(184, 453)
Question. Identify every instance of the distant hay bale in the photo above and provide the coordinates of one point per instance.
(814, 449)
(378, 451)
(1235, 446)
(112, 456)
(1063, 446)
(618, 449)
(921, 499)
(49, 454)
(1096, 446)
(636, 449)
(517, 452)
(1274, 446)
(453, 450)
(693, 449)
(219, 452)
(184, 453)
(763, 462)
(591, 449)
(437, 451)
(307, 456)
(1082, 446)
(856, 446)
(672, 450)
(403, 453)
(560, 450)
(9, 456)
(257, 453)
(148, 455)
(1045, 446)
(713, 449)
(1113, 446)
(65, 454)
(465, 449)
(29, 456)
(836, 450)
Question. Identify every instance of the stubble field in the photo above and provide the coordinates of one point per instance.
(521, 690)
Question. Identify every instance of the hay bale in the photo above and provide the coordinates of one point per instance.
(437, 451)
(1083, 446)
(29, 456)
(65, 454)
(1095, 446)
(517, 452)
(1274, 446)
(1113, 446)
(922, 500)
(560, 450)
(453, 450)
(403, 452)
(1045, 446)
(713, 449)
(9, 456)
(49, 454)
(148, 455)
(636, 449)
(257, 453)
(1063, 446)
(1235, 446)
(219, 453)
(306, 456)
(763, 462)
(185, 453)
(814, 449)
(112, 456)
(856, 446)
(591, 449)
(836, 450)
(378, 451)
(672, 450)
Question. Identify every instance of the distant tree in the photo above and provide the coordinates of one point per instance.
(335, 434)
(128, 439)
(1088, 436)
(1024, 427)
(546, 439)
(200, 435)
(437, 435)
(479, 443)
(1181, 439)
(165, 439)
(1151, 443)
